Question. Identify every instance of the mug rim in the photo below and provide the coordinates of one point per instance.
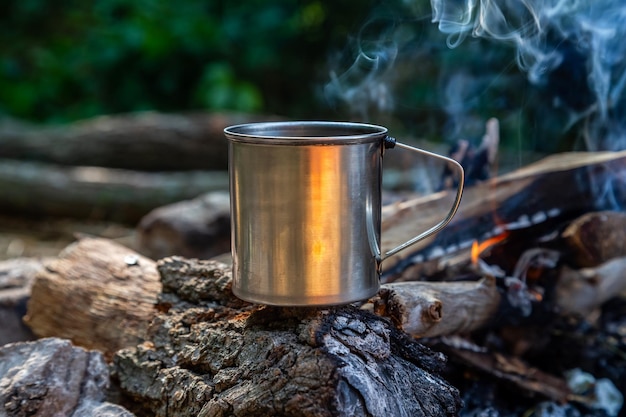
(300, 133)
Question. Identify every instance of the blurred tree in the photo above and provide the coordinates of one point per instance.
(62, 61)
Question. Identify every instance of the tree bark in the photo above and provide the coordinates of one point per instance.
(210, 354)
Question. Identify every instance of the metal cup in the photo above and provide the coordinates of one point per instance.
(306, 211)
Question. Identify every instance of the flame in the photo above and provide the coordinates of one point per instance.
(479, 248)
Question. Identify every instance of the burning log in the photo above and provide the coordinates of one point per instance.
(519, 200)
(429, 309)
(99, 294)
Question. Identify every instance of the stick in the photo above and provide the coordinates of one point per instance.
(428, 309)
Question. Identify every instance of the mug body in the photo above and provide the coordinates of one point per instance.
(305, 211)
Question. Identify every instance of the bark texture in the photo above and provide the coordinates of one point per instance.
(211, 354)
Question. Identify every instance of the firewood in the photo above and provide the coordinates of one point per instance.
(97, 293)
(207, 356)
(197, 228)
(558, 187)
(97, 193)
(147, 141)
(16, 277)
(50, 377)
(596, 237)
(527, 379)
(584, 290)
(429, 309)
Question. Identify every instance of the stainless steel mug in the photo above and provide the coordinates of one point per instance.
(306, 211)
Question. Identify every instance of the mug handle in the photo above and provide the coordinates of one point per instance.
(390, 142)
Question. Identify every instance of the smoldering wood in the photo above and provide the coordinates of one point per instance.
(197, 228)
(146, 141)
(16, 277)
(97, 293)
(50, 377)
(43, 190)
(514, 201)
(206, 356)
(429, 309)
(596, 237)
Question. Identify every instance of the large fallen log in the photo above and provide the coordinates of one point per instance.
(207, 357)
(140, 141)
(40, 189)
(562, 186)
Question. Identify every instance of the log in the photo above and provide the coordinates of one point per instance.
(208, 358)
(596, 237)
(97, 293)
(16, 278)
(584, 290)
(429, 309)
(559, 187)
(146, 141)
(43, 190)
(50, 377)
(197, 228)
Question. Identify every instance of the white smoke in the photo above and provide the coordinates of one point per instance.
(538, 29)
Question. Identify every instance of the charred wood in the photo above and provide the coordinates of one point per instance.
(521, 199)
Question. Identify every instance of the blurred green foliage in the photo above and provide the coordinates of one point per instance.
(67, 60)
